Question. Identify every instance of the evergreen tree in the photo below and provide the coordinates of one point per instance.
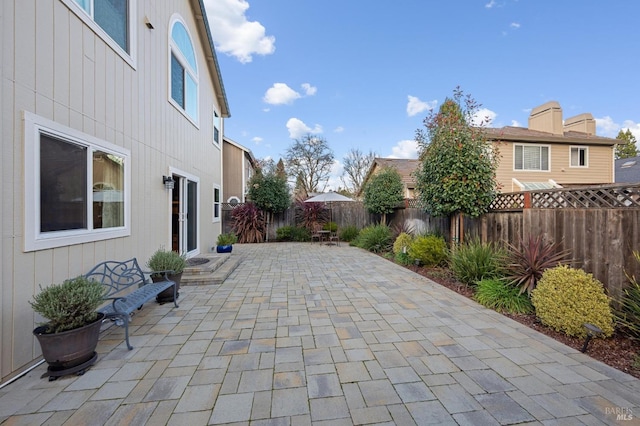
(383, 192)
(628, 147)
(457, 175)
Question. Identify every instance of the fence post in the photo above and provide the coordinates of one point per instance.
(527, 200)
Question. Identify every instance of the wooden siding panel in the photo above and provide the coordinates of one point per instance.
(75, 64)
(599, 170)
(100, 90)
(7, 190)
(110, 86)
(61, 60)
(233, 172)
(25, 45)
(44, 49)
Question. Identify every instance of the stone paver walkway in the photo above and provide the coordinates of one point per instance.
(307, 334)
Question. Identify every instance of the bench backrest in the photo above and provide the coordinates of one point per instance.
(117, 276)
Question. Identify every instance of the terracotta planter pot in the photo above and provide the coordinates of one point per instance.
(167, 295)
(68, 349)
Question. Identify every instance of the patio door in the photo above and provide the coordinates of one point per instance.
(184, 214)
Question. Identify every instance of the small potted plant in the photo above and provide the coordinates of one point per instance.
(70, 336)
(166, 263)
(225, 242)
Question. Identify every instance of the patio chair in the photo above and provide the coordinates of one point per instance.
(316, 234)
(334, 238)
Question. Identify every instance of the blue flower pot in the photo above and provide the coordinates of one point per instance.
(224, 249)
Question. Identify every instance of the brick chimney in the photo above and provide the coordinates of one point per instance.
(547, 118)
(583, 123)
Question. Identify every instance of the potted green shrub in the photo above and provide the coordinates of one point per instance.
(225, 242)
(166, 263)
(70, 336)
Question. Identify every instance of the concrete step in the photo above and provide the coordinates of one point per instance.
(215, 270)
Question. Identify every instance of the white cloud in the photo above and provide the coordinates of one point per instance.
(490, 4)
(607, 127)
(298, 129)
(515, 123)
(338, 129)
(233, 34)
(257, 140)
(405, 149)
(335, 182)
(633, 127)
(309, 90)
(484, 117)
(280, 94)
(416, 106)
(515, 25)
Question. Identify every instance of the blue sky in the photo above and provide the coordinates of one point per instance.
(363, 74)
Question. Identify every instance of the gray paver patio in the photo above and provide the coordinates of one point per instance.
(312, 334)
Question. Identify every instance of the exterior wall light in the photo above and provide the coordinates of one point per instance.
(168, 182)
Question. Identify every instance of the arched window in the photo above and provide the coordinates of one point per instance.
(183, 70)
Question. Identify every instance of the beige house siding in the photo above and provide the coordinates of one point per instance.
(55, 66)
(233, 160)
(599, 168)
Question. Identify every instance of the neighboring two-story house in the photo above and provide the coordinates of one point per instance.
(405, 167)
(109, 115)
(551, 153)
(238, 165)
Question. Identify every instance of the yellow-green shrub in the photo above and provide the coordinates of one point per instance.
(566, 298)
(402, 243)
(429, 249)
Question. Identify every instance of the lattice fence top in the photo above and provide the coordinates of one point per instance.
(609, 196)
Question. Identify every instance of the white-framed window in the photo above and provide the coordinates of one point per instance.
(579, 156)
(531, 157)
(216, 128)
(112, 20)
(76, 186)
(217, 212)
(183, 69)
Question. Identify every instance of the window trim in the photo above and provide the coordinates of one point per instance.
(217, 121)
(34, 240)
(129, 57)
(174, 50)
(586, 156)
(531, 170)
(233, 199)
(215, 219)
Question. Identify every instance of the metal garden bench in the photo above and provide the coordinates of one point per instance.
(128, 289)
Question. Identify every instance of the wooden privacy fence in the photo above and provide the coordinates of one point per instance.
(599, 225)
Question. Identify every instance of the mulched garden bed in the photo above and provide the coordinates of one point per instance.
(618, 351)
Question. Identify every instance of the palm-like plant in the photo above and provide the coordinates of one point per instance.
(627, 312)
(527, 262)
(309, 215)
(248, 223)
